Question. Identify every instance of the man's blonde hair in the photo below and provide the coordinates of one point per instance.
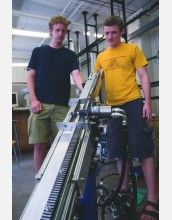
(58, 20)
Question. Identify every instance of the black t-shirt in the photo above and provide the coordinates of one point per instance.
(53, 68)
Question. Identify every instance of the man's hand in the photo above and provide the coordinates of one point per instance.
(36, 106)
(147, 112)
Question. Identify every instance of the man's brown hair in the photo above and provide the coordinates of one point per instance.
(114, 20)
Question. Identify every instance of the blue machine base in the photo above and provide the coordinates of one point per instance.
(89, 201)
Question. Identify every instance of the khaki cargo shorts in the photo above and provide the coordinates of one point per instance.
(42, 126)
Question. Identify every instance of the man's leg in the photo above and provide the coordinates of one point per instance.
(148, 167)
(39, 155)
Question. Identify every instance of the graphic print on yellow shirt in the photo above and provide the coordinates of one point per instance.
(113, 64)
(120, 65)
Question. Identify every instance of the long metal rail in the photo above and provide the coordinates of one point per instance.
(62, 177)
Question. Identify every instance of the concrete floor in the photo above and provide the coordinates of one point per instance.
(23, 183)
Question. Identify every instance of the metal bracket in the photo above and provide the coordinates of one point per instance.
(68, 126)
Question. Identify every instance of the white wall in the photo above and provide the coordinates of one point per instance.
(19, 75)
(19, 79)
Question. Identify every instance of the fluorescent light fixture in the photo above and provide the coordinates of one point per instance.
(19, 64)
(30, 33)
(98, 35)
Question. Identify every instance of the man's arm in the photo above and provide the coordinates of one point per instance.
(78, 80)
(146, 88)
(35, 104)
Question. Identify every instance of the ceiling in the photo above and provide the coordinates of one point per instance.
(34, 15)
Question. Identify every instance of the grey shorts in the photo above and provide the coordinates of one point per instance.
(138, 135)
(42, 126)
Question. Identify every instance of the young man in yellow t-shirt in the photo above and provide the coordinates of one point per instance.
(120, 63)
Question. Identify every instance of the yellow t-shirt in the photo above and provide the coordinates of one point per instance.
(120, 65)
